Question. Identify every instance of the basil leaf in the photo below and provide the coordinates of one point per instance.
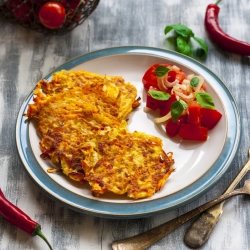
(180, 29)
(159, 95)
(167, 29)
(205, 100)
(182, 46)
(194, 81)
(183, 41)
(161, 71)
(183, 104)
(177, 108)
(203, 46)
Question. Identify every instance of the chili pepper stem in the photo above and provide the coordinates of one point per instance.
(218, 2)
(40, 234)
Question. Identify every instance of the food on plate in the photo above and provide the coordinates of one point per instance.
(81, 117)
(132, 163)
(109, 94)
(183, 103)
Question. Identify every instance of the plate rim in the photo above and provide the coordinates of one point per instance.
(104, 209)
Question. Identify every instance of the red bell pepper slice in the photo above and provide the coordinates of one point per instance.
(193, 132)
(194, 113)
(172, 128)
(165, 107)
(210, 117)
(155, 104)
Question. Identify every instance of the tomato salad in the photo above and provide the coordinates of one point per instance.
(183, 103)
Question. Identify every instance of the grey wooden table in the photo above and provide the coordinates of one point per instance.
(26, 56)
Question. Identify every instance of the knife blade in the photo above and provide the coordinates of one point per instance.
(199, 232)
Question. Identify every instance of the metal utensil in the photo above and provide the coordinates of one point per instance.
(200, 230)
(146, 239)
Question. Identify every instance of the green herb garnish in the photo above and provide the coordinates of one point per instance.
(159, 95)
(182, 40)
(205, 100)
(161, 71)
(177, 108)
(180, 29)
(194, 82)
(183, 46)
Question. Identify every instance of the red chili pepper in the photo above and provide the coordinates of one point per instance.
(218, 36)
(19, 219)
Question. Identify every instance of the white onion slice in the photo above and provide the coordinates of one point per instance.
(163, 118)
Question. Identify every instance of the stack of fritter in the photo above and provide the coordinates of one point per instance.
(81, 120)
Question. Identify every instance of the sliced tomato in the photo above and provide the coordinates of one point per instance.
(194, 113)
(150, 78)
(165, 107)
(193, 132)
(154, 104)
(180, 76)
(172, 76)
(151, 102)
(210, 117)
(172, 128)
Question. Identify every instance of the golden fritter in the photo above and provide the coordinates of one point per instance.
(132, 163)
(70, 114)
(81, 121)
(110, 94)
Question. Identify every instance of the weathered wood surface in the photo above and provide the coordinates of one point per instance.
(26, 56)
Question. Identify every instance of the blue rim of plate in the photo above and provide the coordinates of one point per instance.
(141, 209)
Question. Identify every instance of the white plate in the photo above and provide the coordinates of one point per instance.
(199, 165)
